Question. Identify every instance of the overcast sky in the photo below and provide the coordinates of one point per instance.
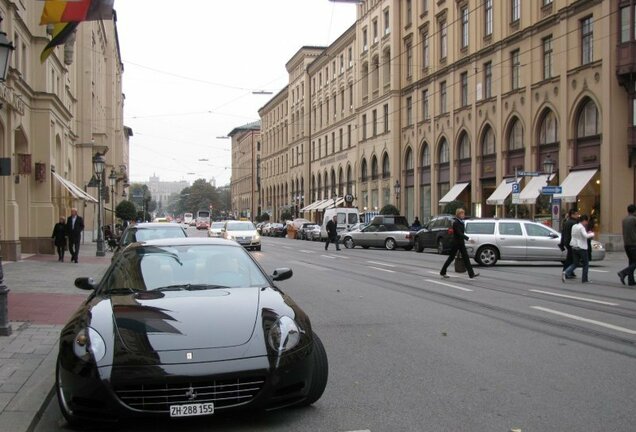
(190, 67)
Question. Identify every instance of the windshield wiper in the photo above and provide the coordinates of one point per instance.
(188, 287)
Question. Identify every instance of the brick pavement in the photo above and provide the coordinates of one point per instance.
(41, 299)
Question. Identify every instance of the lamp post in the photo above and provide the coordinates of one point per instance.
(99, 162)
(113, 184)
(5, 327)
(397, 189)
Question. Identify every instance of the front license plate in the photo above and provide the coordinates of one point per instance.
(188, 410)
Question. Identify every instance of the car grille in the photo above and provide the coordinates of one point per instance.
(158, 397)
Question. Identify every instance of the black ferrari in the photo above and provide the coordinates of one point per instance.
(186, 327)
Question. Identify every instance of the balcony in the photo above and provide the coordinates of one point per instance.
(626, 58)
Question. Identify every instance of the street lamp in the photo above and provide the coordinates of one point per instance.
(548, 165)
(113, 184)
(5, 327)
(99, 162)
(397, 189)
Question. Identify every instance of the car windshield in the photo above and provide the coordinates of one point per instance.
(241, 226)
(217, 224)
(183, 267)
(156, 233)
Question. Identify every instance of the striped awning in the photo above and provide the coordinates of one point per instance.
(73, 189)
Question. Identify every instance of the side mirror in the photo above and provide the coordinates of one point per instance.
(554, 235)
(281, 274)
(85, 283)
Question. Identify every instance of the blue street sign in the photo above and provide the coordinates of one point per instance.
(516, 188)
(551, 190)
(528, 174)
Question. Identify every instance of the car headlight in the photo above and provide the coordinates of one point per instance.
(257, 237)
(87, 342)
(597, 245)
(284, 335)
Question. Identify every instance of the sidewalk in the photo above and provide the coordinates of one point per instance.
(41, 299)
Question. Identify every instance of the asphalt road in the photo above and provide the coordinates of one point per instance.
(512, 349)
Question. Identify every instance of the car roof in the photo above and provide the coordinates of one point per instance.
(502, 220)
(151, 225)
(185, 241)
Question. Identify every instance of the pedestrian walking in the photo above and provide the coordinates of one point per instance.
(457, 245)
(332, 233)
(578, 242)
(59, 236)
(566, 237)
(74, 228)
(629, 242)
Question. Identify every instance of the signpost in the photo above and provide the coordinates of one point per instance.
(551, 190)
(516, 191)
(556, 213)
(528, 174)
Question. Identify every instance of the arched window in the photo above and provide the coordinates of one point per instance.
(363, 170)
(548, 132)
(349, 180)
(408, 159)
(426, 156)
(374, 168)
(464, 147)
(340, 181)
(319, 188)
(386, 169)
(444, 154)
(375, 73)
(365, 80)
(515, 138)
(587, 123)
(488, 142)
(386, 67)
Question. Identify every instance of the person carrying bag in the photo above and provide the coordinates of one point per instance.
(458, 248)
(460, 267)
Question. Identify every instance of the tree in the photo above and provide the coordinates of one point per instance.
(126, 210)
(286, 215)
(264, 216)
(452, 206)
(390, 209)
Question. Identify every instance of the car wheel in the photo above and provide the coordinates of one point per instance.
(61, 398)
(418, 246)
(487, 256)
(319, 374)
(389, 244)
(365, 247)
(440, 246)
(348, 243)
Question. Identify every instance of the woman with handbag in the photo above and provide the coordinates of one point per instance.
(458, 248)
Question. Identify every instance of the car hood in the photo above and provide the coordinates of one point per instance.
(155, 321)
(242, 233)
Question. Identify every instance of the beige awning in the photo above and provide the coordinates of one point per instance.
(501, 193)
(312, 206)
(73, 189)
(574, 184)
(453, 193)
(531, 192)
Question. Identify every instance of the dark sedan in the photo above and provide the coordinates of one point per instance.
(436, 234)
(186, 327)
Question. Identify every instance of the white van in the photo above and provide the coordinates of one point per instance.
(347, 217)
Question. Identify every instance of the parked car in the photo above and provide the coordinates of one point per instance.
(300, 235)
(265, 229)
(276, 230)
(385, 231)
(148, 231)
(346, 217)
(357, 227)
(492, 240)
(259, 227)
(242, 232)
(312, 232)
(436, 234)
(186, 327)
(216, 229)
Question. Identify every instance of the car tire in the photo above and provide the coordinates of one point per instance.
(72, 421)
(440, 247)
(418, 246)
(365, 247)
(487, 256)
(348, 243)
(320, 373)
(390, 244)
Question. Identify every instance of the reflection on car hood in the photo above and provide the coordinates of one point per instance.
(154, 321)
(242, 233)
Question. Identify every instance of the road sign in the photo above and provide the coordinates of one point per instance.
(556, 213)
(515, 198)
(551, 190)
(528, 174)
(516, 188)
(511, 180)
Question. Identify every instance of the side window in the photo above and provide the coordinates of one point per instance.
(480, 228)
(353, 218)
(537, 230)
(437, 223)
(342, 218)
(510, 228)
(382, 228)
(371, 228)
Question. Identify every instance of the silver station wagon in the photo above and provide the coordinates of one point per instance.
(492, 240)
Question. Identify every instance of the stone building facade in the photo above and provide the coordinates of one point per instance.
(55, 116)
(245, 181)
(459, 100)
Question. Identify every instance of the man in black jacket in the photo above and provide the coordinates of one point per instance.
(566, 236)
(458, 246)
(629, 241)
(74, 228)
(332, 233)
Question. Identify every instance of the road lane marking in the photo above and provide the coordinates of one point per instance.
(575, 298)
(286, 247)
(587, 320)
(381, 269)
(328, 256)
(382, 264)
(599, 271)
(449, 285)
(306, 251)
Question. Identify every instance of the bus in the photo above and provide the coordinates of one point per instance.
(187, 218)
(203, 219)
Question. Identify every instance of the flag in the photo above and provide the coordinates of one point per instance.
(65, 11)
(61, 33)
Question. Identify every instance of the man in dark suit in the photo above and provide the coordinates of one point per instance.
(459, 236)
(332, 233)
(74, 228)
